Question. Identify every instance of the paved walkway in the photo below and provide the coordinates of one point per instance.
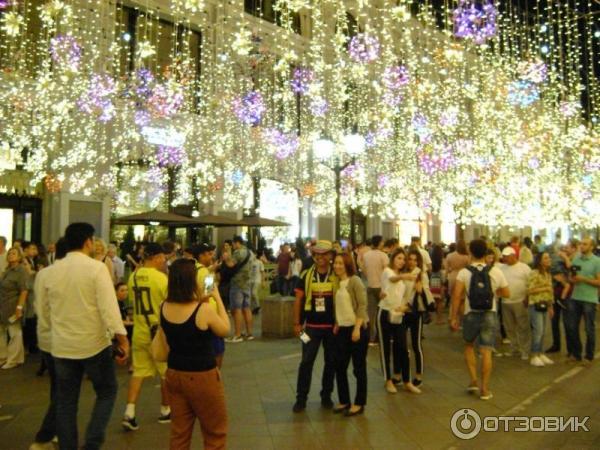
(260, 380)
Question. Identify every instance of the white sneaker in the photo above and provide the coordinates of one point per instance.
(546, 360)
(524, 356)
(235, 339)
(536, 361)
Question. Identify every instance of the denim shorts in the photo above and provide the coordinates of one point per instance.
(481, 326)
(239, 298)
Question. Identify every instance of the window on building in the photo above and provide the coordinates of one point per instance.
(264, 9)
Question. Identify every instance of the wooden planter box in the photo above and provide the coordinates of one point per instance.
(277, 316)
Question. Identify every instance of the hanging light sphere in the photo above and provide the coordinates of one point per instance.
(354, 144)
(323, 148)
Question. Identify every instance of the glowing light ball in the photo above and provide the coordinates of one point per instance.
(570, 108)
(382, 180)
(364, 48)
(421, 126)
(395, 77)
(237, 176)
(249, 108)
(142, 118)
(66, 52)
(97, 100)
(523, 93)
(440, 158)
(165, 100)
(144, 82)
(284, 144)
(475, 21)
(301, 80)
(533, 71)
(318, 106)
(170, 156)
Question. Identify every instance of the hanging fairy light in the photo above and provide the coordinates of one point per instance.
(523, 93)
(97, 100)
(301, 80)
(283, 144)
(66, 52)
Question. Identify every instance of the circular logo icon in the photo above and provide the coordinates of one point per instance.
(465, 424)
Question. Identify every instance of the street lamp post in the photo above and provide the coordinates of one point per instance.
(323, 149)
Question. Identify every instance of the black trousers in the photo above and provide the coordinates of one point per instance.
(392, 347)
(30, 335)
(414, 323)
(48, 429)
(317, 336)
(345, 350)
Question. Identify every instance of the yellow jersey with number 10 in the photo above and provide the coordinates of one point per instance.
(147, 290)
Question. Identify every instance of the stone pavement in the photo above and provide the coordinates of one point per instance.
(260, 378)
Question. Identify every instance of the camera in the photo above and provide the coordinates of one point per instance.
(575, 269)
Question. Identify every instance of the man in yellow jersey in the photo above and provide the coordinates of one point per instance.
(147, 290)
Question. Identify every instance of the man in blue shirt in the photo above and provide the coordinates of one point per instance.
(585, 276)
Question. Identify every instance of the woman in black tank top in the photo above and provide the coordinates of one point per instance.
(193, 382)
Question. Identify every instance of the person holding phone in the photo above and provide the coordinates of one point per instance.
(184, 340)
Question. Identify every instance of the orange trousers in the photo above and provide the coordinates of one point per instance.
(197, 395)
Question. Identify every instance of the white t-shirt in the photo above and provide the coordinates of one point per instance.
(516, 276)
(257, 269)
(394, 291)
(496, 276)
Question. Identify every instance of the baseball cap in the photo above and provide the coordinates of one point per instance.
(508, 250)
(152, 249)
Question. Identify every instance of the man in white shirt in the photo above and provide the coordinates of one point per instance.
(374, 263)
(3, 262)
(47, 431)
(79, 307)
(515, 316)
(118, 263)
(479, 325)
(416, 241)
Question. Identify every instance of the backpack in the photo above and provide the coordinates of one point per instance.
(481, 296)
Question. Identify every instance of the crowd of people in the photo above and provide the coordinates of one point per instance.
(164, 311)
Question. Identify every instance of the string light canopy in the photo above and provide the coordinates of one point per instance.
(473, 105)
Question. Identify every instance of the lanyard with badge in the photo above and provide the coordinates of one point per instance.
(321, 286)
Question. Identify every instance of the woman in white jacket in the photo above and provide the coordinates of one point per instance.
(392, 340)
(420, 300)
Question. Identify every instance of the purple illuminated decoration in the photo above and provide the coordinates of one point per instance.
(250, 108)
(395, 77)
(5, 4)
(382, 180)
(97, 99)
(65, 51)
(475, 21)
(318, 106)
(142, 118)
(284, 144)
(165, 102)
(301, 80)
(421, 127)
(145, 80)
(169, 156)
(437, 159)
(364, 48)
(449, 118)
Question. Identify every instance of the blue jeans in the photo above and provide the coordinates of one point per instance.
(100, 369)
(239, 298)
(575, 310)
(537, 319)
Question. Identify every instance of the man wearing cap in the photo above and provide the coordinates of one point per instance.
(514, 312)
(147, 289)
(313, 322)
